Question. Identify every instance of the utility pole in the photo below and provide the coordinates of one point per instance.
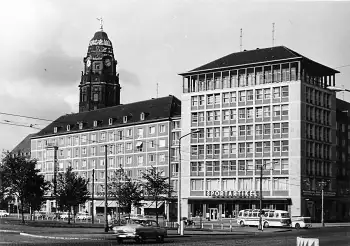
(106, 204)
(92, 195)
(322, 184)
(261, 227)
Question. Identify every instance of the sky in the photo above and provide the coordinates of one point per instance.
(43, 44)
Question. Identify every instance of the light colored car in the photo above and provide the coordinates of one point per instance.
(83, 216)
(140, 230)
(301, 222)
(3, 213)
(64, 215)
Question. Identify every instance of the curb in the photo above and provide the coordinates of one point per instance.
(60, 238)
(10, 231)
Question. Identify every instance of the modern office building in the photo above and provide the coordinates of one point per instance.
(138, 135)
(268, 107)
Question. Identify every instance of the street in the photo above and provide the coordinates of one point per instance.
(327, 236)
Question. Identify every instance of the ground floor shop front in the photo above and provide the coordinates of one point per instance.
(217, 209)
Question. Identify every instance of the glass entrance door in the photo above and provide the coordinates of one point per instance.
(213, 214)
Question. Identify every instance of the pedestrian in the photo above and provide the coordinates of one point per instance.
(109, 220)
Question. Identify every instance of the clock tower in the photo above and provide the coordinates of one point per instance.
(99, 86)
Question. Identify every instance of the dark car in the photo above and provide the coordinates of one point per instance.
(140, 230)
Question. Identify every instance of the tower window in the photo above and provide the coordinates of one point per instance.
(68, 128)
(110, 121)
(142, 116)
(125, 119)
(95, 97)
(95, 123)
(55, 129)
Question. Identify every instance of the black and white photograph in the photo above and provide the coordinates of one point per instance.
(175, 122)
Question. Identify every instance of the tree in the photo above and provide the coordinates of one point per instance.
(156, 186)
(23, 180)
(72, 190)
(127, 191)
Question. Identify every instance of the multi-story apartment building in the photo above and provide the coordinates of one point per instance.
(138, 136)
(267, 107)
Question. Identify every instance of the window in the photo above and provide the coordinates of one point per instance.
(267, 147)
(258, 147)
(241, 113)
(250, 95)
(233, 131)
(83, 150)
(81, 125)
(276, 110)
(267, 111)
(276, 92)
(194, 101)
(151, 158)
(162, 157)
(217, 99)
(233, 148)
(285, 128)
(151, 144)
(201, 100)
(285, 91)
(245, 184)
(241, 131)
(259, 112)
(110, 121)
(284, 109)
(241, 96)
(83, 163)
(233, 98)
(276, 128)
(276, 146)
(233, 114)
(280, 184)
(125, 119)
(128, 160)
(201, 116)
(284, 164)
(226, 132)
(102, 162)
(152, 130)
(216, 115)
(210, 99)
(267, 129)
(241, 148)
(267, 93)
(162, 128)
(140, 160)
(285, 146)
(139, 146)
(55, 129)
(225, 149)
(103, 136)
(197, 184)
(68, 128)
(128, 146)
(129, 133)
(93, 151)
(249, 148)
(249, 129)
(250, 113)
(225, 98)
(226, 114)
(140, 133)
(95, 97)
(259, 94)
(276, 164)
(258, 129)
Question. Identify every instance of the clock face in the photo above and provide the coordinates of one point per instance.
(88, 63)
(108, 62)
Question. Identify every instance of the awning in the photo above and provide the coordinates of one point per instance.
(109, 203)
(138, 144)
(152, 204)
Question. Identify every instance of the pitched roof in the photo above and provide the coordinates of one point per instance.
(24, 145)
(153, 109)
(250, 57)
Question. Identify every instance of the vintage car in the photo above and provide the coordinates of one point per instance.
(301, 222)
(3, 213)
(140, 230)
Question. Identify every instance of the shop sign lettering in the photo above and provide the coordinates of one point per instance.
(233, 193)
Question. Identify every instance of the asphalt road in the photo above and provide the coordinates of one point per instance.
(327, 236)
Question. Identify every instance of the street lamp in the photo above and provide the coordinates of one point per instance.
(179, 219)
(322, 184)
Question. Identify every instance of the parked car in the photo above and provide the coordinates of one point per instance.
(83, 216)
(301, 222)
(64, 215)
(40, 215)
(3, 213)
(140, 230)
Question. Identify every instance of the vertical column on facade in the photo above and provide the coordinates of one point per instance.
(272, 78)
(183, 84)
(263, 74)
(254, 79)
(237, 74)
(205, 83)
(198, 81)
(333, 79)
(220, 211)
(191, 84)
(299, 66)
(229, 79)
(221, 81)
(204, 212)
(246, 76)
(280, 73)
(236, 208)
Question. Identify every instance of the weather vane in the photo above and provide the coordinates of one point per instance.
(101, 23)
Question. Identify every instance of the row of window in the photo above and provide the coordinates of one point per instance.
(240, 184)
(319, 133)
(243, 148)
(243, 131)
(102, 136)
(318, 150)
(225, 166)
(243, 96)
(243, 113)
(318, 115)
(316, 97)
(240, 78)
(112, 163)
(318, 168)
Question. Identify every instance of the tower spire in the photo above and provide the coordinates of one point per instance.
(101, 23)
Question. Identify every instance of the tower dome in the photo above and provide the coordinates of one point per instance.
(100, 46)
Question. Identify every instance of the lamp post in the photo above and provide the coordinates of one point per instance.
(322, 184)
(179, 219)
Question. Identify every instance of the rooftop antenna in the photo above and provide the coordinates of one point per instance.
(101, 23)
(240, 42)
(273, 34)
(157, 90)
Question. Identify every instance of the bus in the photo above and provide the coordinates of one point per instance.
(271, 217)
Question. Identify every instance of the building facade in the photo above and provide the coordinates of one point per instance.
(265, 107)
(138, 136)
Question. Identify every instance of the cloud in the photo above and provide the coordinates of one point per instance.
(51, 67)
